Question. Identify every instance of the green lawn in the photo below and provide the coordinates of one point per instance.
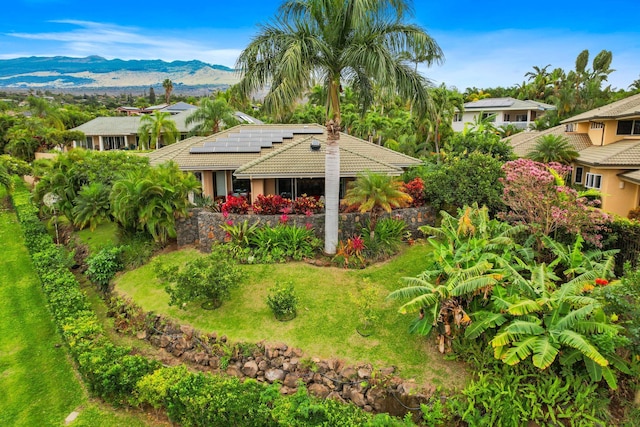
(103, 235)
(38, 386)
(326, 322)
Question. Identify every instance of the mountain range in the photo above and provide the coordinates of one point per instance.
(97, 73)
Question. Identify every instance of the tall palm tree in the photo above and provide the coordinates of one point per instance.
(167, 84)
(553, 148)
(376, 193)
(443, 106)
(356, 42)
(212, 116)
(155, 126)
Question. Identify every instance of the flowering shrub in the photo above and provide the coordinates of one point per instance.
(537, 197)
(415, 188)
(237, 205)
(271, 204)
(305, 205)
(351, 253)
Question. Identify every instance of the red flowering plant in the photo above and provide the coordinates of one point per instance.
(271, 204)
(235, 204)
(351, 253)
(415, 188)
(537, 196)
(304, 204)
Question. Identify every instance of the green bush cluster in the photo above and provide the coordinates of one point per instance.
(103, 266)
(190, 399)
(253, 244)
(111, 372)
(282, 301)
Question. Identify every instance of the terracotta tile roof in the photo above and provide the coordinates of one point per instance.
(359, 154)
(623, 153)
(524, 142)
(628, 107)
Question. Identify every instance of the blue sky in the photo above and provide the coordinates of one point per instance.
(485, 44)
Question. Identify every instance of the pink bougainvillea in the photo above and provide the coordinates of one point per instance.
(536, 195)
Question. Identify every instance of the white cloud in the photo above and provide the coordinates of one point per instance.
(114, 41)
(501, 58)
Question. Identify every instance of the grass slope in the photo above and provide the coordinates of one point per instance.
(38, 386)
(326, 322)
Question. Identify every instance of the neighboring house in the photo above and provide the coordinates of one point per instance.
(121, 133)
(507, 111)
(608, 142)
(275, 159)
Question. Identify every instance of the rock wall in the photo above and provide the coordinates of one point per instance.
(202, 228)
(374, 390)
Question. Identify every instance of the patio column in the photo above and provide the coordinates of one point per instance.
(100, 143)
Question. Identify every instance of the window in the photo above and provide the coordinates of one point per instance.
(593, 181)
(521, 117)
(490, 116)
(571, 127)
(113, 142)
(506, 117)
(597, 125)
(457, 117)
(578, 173)
(628, 127)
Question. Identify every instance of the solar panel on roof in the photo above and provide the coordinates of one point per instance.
(221, 149)
(491, 103)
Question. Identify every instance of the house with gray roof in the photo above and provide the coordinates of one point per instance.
(505, 111)
(121, 133)
(607, 140)
(275, 159)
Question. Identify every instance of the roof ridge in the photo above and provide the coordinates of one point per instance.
(267, 156)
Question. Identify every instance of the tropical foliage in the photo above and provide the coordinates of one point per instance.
(553, 148)
(157, 128)
(357, 43)
(376, 193)
(212, 116)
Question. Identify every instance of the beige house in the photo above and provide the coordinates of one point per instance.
(608, 142)
(275, 159)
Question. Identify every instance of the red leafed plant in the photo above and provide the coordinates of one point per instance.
(415, 188)
(271, 204)
(236, 205)
(305, 204)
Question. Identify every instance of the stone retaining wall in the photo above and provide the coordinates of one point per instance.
(202, 227)
(374, 390)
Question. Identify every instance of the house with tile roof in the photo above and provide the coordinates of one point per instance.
(607, 140)
(121, 133)
(275, 159)
(505, 111)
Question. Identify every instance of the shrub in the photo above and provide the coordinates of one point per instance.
(306, 205)
(387, 238)
(272, 204)
(235, 204)
(283, 242)
(634, 214)
(207, 280)
(104, 265)
(415, 188)
(351, 253)
(282, 301)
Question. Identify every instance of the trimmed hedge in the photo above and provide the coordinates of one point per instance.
(191, 399)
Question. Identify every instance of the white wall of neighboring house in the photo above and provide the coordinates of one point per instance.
(500, 119)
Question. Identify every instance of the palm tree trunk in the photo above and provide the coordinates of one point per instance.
(332, 196)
